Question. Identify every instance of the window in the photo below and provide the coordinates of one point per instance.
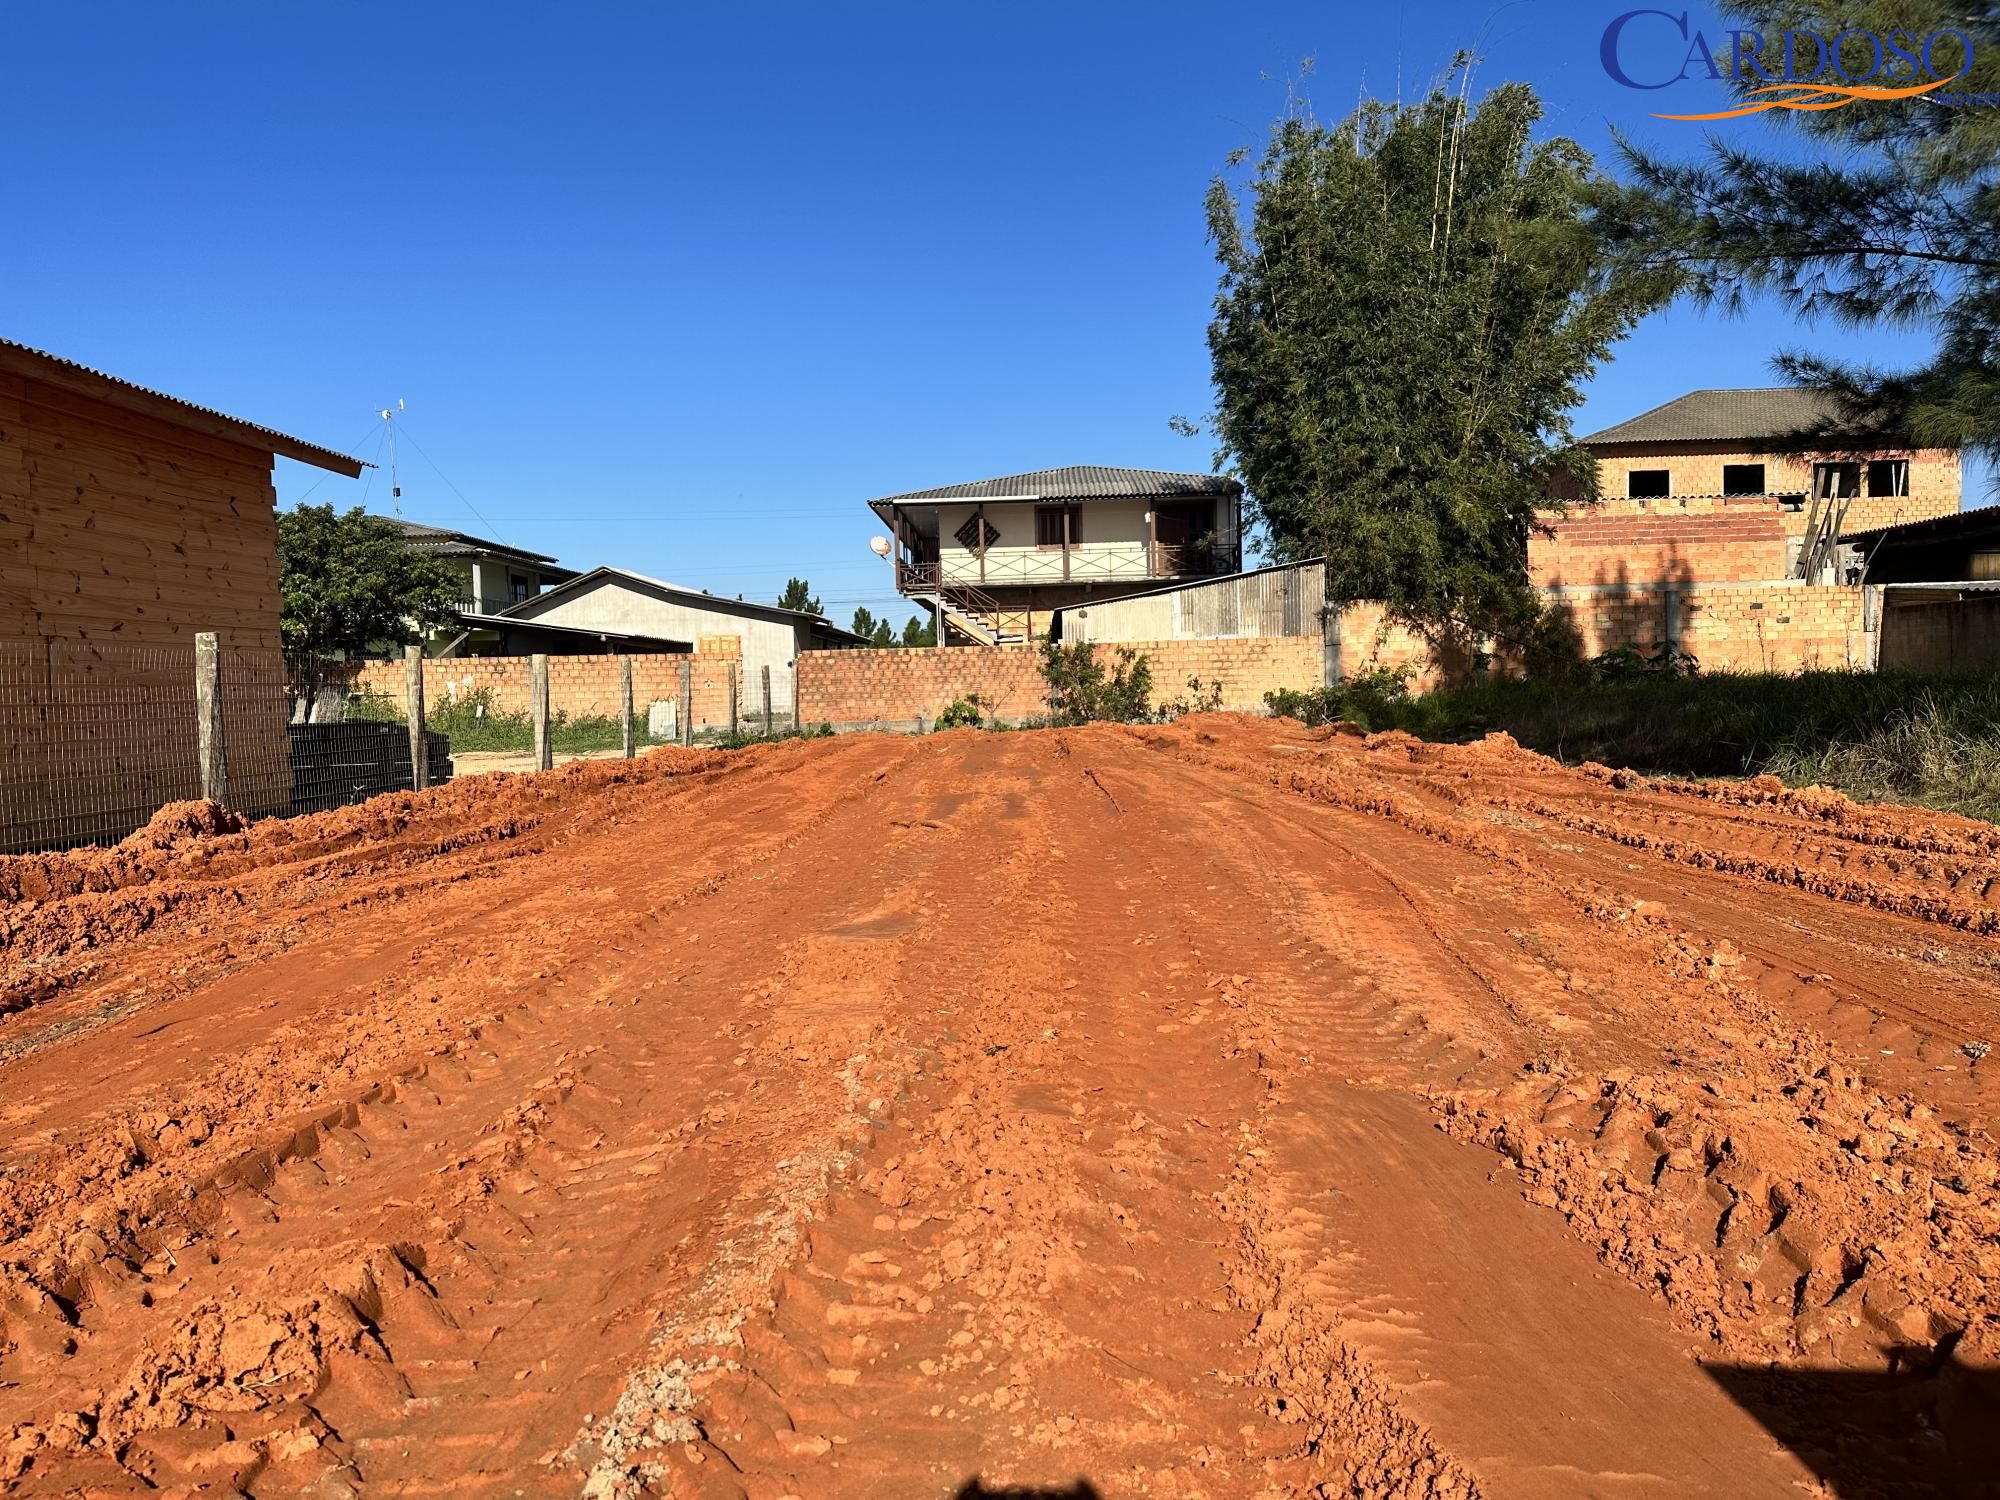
(1742, 479)
(1837, 481)
(517, 588)
(1648, 484)
(1888, 476)
(1049, 524)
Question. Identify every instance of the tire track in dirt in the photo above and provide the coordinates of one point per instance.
(863, 1117)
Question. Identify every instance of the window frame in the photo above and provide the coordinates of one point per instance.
(1053, 514)
(1837, 467)
(1763, 481)
(1897, 467)
(1632, 484)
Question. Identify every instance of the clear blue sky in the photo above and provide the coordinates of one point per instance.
(679, 288)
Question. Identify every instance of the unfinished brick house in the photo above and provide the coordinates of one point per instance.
(1692, 494)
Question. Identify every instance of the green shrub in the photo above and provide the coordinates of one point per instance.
(967, 712)
(1372, 700)
(1201, 698)
(1082, 692)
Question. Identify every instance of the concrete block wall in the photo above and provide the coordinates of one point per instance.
(583, 685)
(1741, 627)
(898, 688)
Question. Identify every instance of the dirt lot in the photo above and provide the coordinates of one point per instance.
(1220, 1109)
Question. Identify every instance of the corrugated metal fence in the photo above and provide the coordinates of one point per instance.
(1284, 601)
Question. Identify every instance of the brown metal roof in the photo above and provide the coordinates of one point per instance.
(1078, 482)
(1748, 415)
(67, 374)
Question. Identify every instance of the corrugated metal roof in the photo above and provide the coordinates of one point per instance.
(1744, 415)
(442, 541)
(62, 371)
(1937, 528)
(1078, 482)
(700, 597)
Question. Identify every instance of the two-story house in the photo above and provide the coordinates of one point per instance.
(1695, 491)
(997, 557)
(493, 576)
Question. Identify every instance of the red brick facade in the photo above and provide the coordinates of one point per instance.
(1712, 541)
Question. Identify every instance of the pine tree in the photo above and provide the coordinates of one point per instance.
(1895, 226)
(798, 595)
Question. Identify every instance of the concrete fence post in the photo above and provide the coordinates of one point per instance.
(767, 703)
(208, 718)
(687, 701)
(538, 707)
(734, 668)
(798, 724)
(413, 709)
(1329, 645)
(625, 700)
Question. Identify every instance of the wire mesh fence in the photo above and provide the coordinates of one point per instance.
(98, 737)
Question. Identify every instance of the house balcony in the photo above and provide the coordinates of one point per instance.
(1082, 562)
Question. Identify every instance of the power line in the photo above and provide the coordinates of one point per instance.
(454, 488)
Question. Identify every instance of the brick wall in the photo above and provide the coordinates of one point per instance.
(1716, 541)
(856, 689)
(1745, 627)
(1697, 472)
(581, 685)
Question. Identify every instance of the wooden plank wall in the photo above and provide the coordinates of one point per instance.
(125, 535)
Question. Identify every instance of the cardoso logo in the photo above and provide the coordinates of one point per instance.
(1654, 49)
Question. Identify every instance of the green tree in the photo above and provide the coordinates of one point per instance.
(919, 632)
(882, 636)
(864, 621)
(353, 586)
(1402, 328)
(798, 596)
(1893, 226)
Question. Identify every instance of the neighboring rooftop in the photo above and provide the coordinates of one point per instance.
(1981, 520)
(68, 375)
(659, 587)
(441, 541)
(1746, 415)
(1078, 482)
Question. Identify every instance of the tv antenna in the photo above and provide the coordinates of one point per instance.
(395, 489)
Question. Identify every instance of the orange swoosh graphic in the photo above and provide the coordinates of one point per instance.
(1815, 96)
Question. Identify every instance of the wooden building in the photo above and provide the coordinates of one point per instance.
(130, 521)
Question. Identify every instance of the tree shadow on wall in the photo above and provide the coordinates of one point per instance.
(1633, 611)
(1922, 1435)
(977, 1489)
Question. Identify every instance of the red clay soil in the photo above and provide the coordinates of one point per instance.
(1223, 1109)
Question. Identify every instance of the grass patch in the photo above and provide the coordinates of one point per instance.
(1878, 736)
(470, 723)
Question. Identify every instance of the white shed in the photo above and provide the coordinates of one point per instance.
(620, 602)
